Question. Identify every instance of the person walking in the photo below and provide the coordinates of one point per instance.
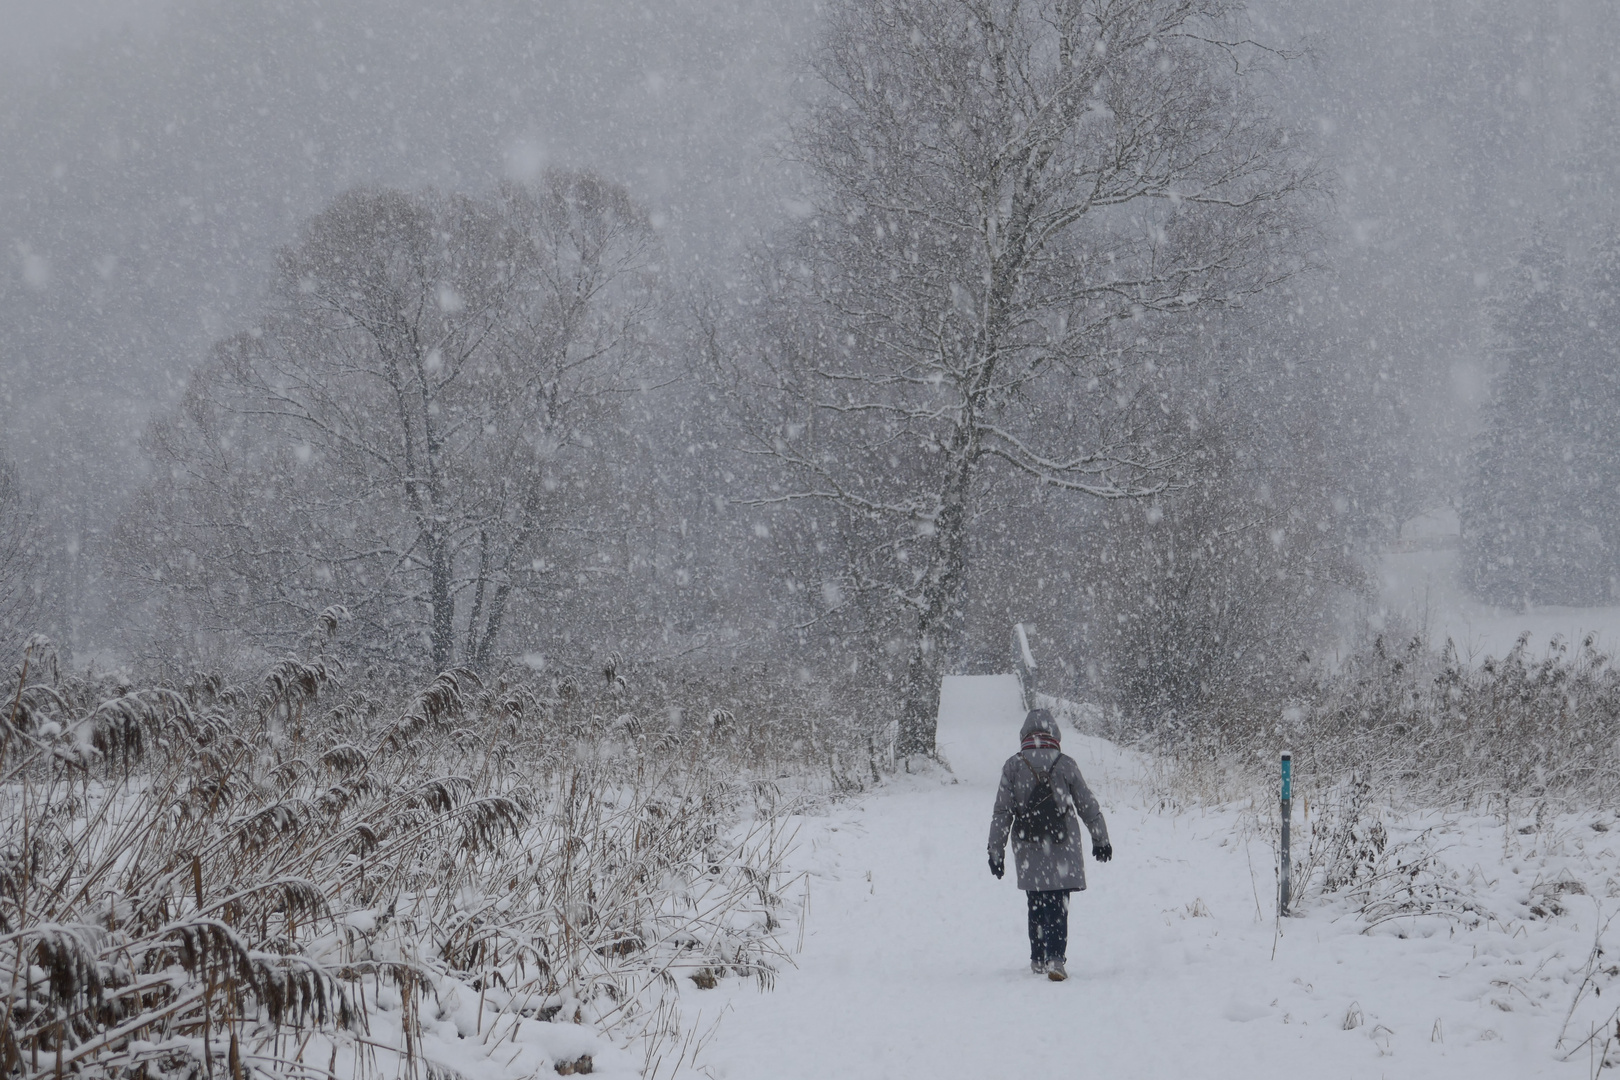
(1041, 801)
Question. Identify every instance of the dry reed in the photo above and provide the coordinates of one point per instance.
(210, 880)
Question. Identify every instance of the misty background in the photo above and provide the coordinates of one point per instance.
(155, 155)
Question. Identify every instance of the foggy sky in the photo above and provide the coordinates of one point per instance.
(152, 156)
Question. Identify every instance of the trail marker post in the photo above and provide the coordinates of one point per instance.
(1285, 886)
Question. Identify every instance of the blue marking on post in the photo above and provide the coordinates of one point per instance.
(1288, 775)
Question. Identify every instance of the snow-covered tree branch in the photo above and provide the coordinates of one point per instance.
(396, 433)
(1012, 199)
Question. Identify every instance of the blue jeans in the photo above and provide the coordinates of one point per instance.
(1048, 925)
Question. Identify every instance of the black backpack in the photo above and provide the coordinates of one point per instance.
(1042, 819)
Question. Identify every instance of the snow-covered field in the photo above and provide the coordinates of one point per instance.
(1422, 587)
(912, 959)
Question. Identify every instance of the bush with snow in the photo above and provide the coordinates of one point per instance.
(287, 879)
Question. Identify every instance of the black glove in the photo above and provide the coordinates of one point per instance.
(1102, 852)
(998, 866)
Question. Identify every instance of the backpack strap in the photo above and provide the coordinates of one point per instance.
(1065, 801)
(1039, 774)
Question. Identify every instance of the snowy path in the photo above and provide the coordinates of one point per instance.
(914, 962)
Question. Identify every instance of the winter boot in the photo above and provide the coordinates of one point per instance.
(1055, 971)
(1038, 966)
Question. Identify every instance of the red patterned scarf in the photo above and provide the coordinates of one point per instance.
(1040, 740)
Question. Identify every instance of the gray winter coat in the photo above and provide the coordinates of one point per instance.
(1044, 865)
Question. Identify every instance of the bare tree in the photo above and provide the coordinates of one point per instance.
(1012, 196)
(1541, 508)
(402, 433)
(20, 563)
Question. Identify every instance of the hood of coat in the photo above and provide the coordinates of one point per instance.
(1039, 720)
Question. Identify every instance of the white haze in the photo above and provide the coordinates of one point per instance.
(152, 156)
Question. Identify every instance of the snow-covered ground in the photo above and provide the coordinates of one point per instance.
(1422, 587)
(912, 959)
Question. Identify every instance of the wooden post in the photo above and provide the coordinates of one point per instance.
(1025, 661)
(1286, 884)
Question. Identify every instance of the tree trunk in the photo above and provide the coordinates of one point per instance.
(485, 654)
(477, 613)
(941, 601)
(442, 603)
(919, 714)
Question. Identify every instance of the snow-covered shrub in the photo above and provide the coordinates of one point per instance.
(766, 716)
(1346, 840)
(282, 878)
(1423, 725)
(1350, 856)
(1433, 725)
